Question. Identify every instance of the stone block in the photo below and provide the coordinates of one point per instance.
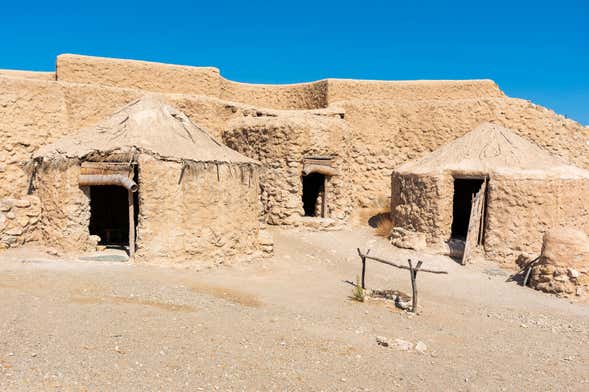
(15, 231)
(408, 239)
(22, 203)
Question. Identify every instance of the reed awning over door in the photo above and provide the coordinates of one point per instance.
(107, 173)
(321, 165)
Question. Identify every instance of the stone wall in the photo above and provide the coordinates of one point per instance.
(210, 216)
(65, 208)
(423, 204)
(19, 219)
(280, 143)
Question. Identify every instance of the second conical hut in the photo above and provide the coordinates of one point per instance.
(148, 175)
(492, 191)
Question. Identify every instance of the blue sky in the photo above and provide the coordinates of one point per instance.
(535, 50)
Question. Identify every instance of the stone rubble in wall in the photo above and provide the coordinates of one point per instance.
(407, 239)
(19, 220)
(563, 281)
(563, 267)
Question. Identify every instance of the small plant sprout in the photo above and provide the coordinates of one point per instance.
(358, 293)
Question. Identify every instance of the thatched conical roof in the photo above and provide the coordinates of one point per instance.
(491, 148)
(149, 126)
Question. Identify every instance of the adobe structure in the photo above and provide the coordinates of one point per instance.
(147, 174)
(345, 135)
(305, 174)
(519, 190)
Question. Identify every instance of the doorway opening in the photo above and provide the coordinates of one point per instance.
(465, 190)
(110, 208)
(109, 214)
(314, 194)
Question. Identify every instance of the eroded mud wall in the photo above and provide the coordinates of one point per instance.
(208, 216)
(411, 90)
(141, 75)
(177, 79)
(520, 211)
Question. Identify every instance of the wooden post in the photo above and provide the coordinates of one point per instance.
(324, 198)
(131, 227)
(528, 270)
(363, 258)
(413, 272)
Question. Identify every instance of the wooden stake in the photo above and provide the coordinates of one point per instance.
(413, 272)
(324, 198)
(131, 227)
(363, 257)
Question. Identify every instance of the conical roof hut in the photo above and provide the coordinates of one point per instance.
(492, 186)
(148, 126)
(187, 196)
(491, 148)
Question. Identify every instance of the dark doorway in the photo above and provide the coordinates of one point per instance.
(109, 214)
(313, 187)
(464, 191)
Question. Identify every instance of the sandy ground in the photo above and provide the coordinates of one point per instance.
(285, 323)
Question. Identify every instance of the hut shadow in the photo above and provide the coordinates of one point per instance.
(522, 277)
(456, 250)
(518, 278)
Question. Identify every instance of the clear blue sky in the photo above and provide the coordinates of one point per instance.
(536, 50)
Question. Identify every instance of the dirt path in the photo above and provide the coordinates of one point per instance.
(284, 323)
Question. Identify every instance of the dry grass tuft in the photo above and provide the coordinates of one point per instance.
(384, 224)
